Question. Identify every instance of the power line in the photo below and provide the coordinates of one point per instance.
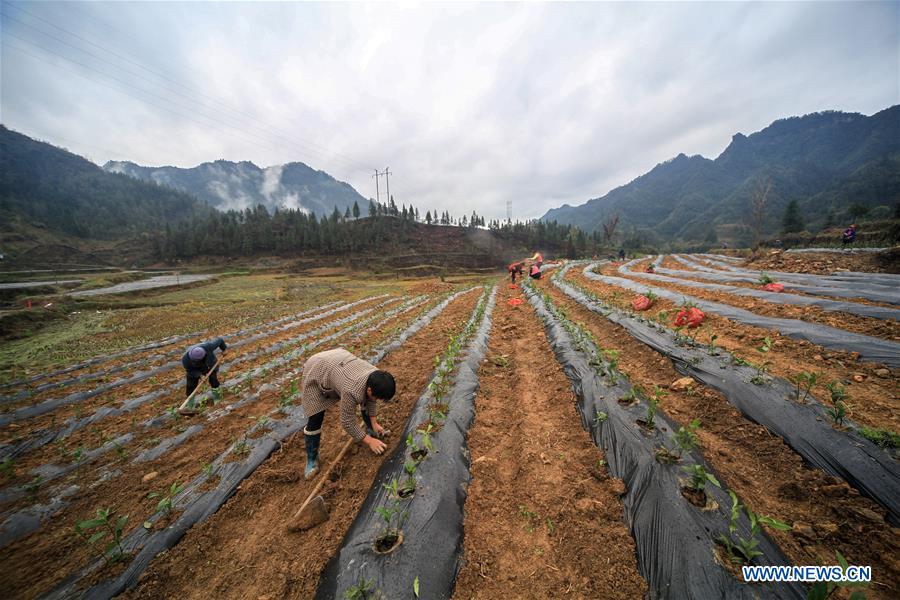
(328, 154)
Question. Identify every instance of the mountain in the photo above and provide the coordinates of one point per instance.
(828, 161)
(227, 185)
(43, 187)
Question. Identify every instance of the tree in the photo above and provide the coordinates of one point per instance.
(355, 210)
(373, 210)
(759, 199)
(428, 217)
(858, 211)
(792, 222)
(609, 228)
(347, 214)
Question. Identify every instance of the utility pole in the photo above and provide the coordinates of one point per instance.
(387, 180)
(377, 192)
(509, 211)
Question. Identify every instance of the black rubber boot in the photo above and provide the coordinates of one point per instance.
(312, 453)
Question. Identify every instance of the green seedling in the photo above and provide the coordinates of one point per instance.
(393, 518)
(103, 525)
(551, 528)
(804, 382)
(34, 485)
(764, 279)
(633, 395)
(761, 378)
(410, 468)
(823, 590)
(766, 345)
(838, 410)
(653, 404)
(737, 360)
(8, 467)
(207, 469)
(165, 503)
(711, 347)
(699, 477)
(529, 516)
(742, 550)
(284, 401)
(600, 417)
(261, 420)
(363, 590)
(241, 448)
(686, 437)
(78, 454)
(173, 412)
(121, 451)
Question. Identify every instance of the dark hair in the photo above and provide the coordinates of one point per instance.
(382, 384)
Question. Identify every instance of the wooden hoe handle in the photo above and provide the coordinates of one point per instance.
(325, 475)
(201, 382)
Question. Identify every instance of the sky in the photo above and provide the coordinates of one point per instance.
(470, 105)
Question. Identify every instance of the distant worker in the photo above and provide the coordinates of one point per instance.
(538, 259)
(724, 245)
(199, 360)
(337, 376)
(849, 236)
(535, 271)
(621, 254)
(516, 268)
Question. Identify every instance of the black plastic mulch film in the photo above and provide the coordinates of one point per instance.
(675, 540)
(870, 348)
(432, 540)
(198, 505)
(805, 427)
(854, 308)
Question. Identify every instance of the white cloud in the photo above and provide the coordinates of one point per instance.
(469, 104)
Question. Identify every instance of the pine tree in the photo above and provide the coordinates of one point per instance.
(792, 222)
(428, 217)
(373, 210)
(355, 210)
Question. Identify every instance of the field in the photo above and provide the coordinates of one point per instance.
(548, 439)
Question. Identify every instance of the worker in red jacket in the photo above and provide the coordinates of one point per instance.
(514, 269)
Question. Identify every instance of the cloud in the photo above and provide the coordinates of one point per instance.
(470, 105)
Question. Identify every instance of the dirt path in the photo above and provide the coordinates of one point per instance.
(543, 520)
(827, 514)
(244, 551)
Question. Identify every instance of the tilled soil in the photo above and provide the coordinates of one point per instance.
(872, 389)
(98, 433)
(826, 514)
(542, 519)
(819, 263)
(35, 562)
(882, 328)
(244, 550)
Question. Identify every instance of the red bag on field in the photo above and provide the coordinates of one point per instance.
(773, 287)
(692, 317)
(515, 301)
(641, 302)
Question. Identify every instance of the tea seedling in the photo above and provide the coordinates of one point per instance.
(600, 418)
(165, 504)
(804, 382)
(711, 347)
(838, 411)
(764, 279)
(822, 590)
(34, 485)
(699, 477)
(686, 438)
(743, 550)
(8, 467)
(207, 469)
(363, 590)
(103, 525)
(766, 345)
(761, 376)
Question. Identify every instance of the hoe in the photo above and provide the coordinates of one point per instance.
(314, 511)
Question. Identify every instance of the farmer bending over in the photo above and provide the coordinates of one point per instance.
(198, 361)
(337, 376)
(515, 269)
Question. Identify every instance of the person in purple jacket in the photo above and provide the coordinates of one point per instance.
(849, 236)
(200, 360)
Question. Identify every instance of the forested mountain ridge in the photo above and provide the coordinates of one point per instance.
(228, 185)
(53, 189)
(830, 162)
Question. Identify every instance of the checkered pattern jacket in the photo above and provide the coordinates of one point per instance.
(337, 376)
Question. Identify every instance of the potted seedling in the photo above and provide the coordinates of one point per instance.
(838, 411)
(391, 534)
(165, 504)
(805, 382)
(695, 490)
(416, 453)
(649, 424)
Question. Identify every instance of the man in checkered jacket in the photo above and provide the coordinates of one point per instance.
(338, 377)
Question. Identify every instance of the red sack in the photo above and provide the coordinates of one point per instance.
(641, 302)
(773, 287)
(512, 286)
(692, 317)
(515, 301)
